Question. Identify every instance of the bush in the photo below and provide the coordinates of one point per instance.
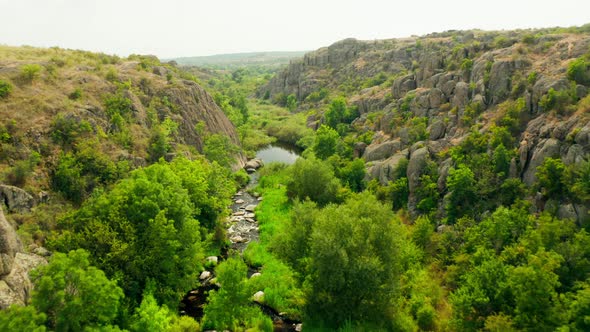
(76, 94)
(5, 89)
(579, 71)
(313, 179)
(30, 72)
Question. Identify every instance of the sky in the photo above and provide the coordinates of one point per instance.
(175, 28)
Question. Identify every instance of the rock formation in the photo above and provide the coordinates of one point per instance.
(15, 265)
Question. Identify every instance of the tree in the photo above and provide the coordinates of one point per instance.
(291, 103)
(326, 140)
(149, 316)
(228, 308)
(19, 318)
(579, 71)
(462, 193)
(353, 264)
(73, 294)
(533, 286)
(220, 148)
(313, 179)
(147, 227)
(551, 178)
(354, 175)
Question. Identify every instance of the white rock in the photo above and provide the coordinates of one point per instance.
(254, 275)
(250, 208)
(212, 259)
(299, 327)
(240, 201)
(237, 239)
(239, 213)
(258, 296)
(249, 215)
(205, 275)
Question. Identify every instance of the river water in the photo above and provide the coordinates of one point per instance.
(278, 152)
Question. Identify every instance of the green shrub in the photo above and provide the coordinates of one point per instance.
(5, 89)
(30, 72)
(558, 100)
(579, 71)
(76, 94)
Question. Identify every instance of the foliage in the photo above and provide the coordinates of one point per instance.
(78, 173)
(30, 72)
(5, 89)
(67, 130)
(551, 178)
(579, 71)
(326, 140)
(159, 143)
(313, 179)
(219, 148)
(338, 112)
(151, 317)
(558, 99)
(19, 318)
(353, 268)
(228, 308)
(155, 214)
(73, 294)
(461, 186)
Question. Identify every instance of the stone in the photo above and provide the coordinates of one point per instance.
(259, 199)
(258, 296)
(205, 275)
(254, 163)
(403, 85)
(237, 239)
(249, 215)
(545, 148)
(238, 213)
(9, 245)
(250, 208)
(212, 259)
(250, 220)
(461, 95)
(16, 199)
(18, 280)
(250, 170)
(255, 275)
(381, 151)
(42, 252)
(437, 130)
(299, 327)
(239, 201)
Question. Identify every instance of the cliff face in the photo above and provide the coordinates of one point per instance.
(452, 81)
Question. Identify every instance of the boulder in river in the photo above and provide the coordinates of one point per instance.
(258, 297)
(205, 275)
(250, 208)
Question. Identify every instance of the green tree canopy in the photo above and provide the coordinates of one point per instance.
(354, 262)
(73, 294)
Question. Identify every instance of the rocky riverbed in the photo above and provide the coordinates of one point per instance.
(242, 228)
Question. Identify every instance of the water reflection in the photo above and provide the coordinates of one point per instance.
(278, 153)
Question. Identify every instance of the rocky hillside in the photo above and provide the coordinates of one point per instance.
(56, 101)
(422, 96)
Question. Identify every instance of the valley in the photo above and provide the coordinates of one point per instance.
(430, 183)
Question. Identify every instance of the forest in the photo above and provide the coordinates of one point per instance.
(385, 222)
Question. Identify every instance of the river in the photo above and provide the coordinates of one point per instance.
(242, 228)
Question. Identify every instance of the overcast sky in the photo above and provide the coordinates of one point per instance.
(174, 28)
